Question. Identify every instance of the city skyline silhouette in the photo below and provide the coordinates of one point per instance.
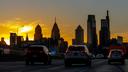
(69, 14)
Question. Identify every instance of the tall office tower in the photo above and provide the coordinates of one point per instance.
(79, 36)
(38, 33)
(55, 32)
(13, 39)
(108, 22)
(91, 33)
(104, 33)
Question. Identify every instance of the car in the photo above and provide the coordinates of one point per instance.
(116, 56)
(37, 53)
(77, 54)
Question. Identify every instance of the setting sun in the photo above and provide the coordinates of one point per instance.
(25, 29)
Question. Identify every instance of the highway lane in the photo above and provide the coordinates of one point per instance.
(98, 65)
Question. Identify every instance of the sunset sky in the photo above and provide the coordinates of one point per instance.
(19, 15)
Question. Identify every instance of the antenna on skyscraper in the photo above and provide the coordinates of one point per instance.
(55, 19)
(107, 12)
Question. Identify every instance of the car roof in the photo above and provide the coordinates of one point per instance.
(116, 50)
(79, 46)
(38, 46)
(84, 46)
(41, 46)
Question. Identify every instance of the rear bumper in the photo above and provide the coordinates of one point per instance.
(77, 60)
(37, 58)
(115, 60)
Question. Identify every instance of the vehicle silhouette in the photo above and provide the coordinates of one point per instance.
(37, 53)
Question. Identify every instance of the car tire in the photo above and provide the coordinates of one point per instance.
(49, 62)
(27, 62)
(67, 64)
(123, 62)
(32, 62)
(109, 62)
(89, 63)
(46, 62)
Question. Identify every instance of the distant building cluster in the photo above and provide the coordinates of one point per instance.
(57, 44)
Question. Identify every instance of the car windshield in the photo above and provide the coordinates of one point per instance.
(79, 48)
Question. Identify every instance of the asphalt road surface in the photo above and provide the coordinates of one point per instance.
(98, 65)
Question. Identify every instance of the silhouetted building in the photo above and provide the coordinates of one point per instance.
(104, 35)
(3, 43)
(108, 20)
(13, 39)
(105, 32)
(91, 33)
(63, 45)
(120, 39)
(73, 41)
(20, 39)
(113, 41)
(56, 44)
(38, 33)
(55, 32)
(79, 36)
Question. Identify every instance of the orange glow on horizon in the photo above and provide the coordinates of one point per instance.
(28, 28)
(25, 29)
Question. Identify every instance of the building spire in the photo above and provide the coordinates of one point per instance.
(27, 39)
(55, 19)
(107, 12)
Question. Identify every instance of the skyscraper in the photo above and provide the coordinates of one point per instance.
(55, 35)
(38, 33)
(91, 33)
(105, 31)
(79, 36)
(108, 20)
(13, 39)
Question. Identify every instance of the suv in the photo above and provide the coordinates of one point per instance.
(77, 54)
(116, 55)
(37, 53)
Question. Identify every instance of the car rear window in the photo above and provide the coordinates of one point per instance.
(80, 48)
(36, 48)
(116, 54)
